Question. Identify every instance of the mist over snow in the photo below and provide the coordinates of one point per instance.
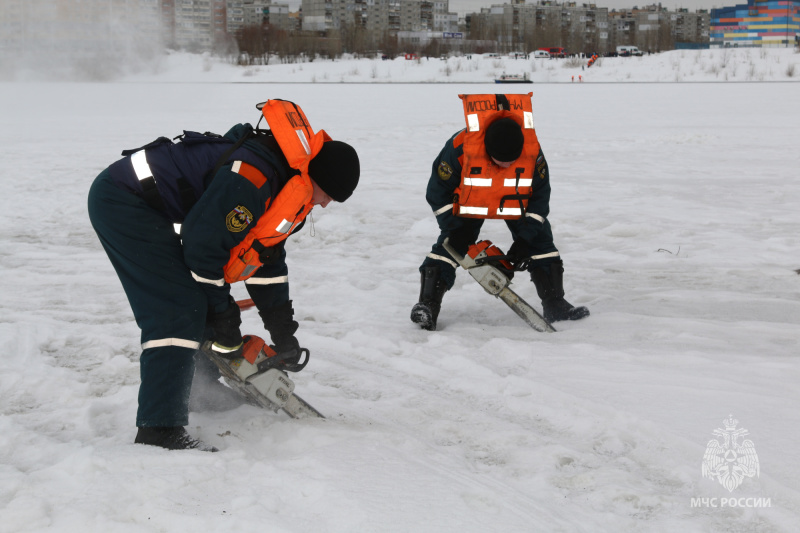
(718, 65)
(674, 206)
(133, 58)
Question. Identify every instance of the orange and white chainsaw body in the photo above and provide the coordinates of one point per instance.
(270, 388)
(490, 278)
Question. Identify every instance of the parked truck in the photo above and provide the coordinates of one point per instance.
(626, 51)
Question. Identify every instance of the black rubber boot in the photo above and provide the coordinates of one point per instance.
(171, 438)
(432, 289)
(549, 281)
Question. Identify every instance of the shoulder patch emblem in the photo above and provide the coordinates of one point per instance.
(445, 171)
(238, 219)
(541, 166)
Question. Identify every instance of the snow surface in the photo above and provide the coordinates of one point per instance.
(675, 206)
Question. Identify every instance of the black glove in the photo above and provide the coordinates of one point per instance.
(269, 255)
(520, 255)
(280, 323)
(225, 333)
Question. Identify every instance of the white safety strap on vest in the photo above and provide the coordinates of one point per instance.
(527, 119)
(216, 282)
(473, 123)
(140, 166)
(445, 209)
(284, 227)
(509, 212)
(544, 256)
(478, 182)
(181, 343)
(266, 281)
(512, 182)
(467, 210)
(303, 141)
(487, 182)
(443, 258)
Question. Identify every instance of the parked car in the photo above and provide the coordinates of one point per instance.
(541, 54)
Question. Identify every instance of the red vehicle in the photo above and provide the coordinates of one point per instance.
(556, 52)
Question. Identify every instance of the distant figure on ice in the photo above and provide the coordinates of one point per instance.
(237, 198)
(493, 169)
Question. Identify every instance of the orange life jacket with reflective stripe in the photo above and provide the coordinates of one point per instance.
(289, 208)
(486, 189)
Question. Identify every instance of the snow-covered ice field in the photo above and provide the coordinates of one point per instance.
(675, 207)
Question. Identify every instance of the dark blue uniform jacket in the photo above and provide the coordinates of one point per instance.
(201, 202)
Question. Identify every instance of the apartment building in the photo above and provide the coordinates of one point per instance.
(519, 26)
(690, 27)
(240, 13)
(378, 16)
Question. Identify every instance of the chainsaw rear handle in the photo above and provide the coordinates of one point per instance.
(255, 346)
(518, 266)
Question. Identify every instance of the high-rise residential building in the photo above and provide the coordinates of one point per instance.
(688, 27)
(378, 16)
(242, 13)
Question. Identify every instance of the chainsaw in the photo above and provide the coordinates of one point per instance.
(257, 374)
(492, 269)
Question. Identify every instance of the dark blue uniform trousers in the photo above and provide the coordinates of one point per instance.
(168, 304)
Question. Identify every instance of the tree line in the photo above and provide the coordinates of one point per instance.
(265, 43)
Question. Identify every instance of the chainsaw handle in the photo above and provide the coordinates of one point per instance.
(275, 360)
(519, 266)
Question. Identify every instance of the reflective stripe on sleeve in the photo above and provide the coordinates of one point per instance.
(479, 182)
(444, 209)
(140, 166)
(443, 258)
(512, 182)
(466, 210)
(222, 349)
(535, 217)
(217, 282)
(544, 256)
(181, 343)
(266, 281)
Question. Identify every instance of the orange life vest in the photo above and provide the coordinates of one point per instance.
(299, 145)
(486, 189)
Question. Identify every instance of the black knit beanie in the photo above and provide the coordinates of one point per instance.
(336, 170)
(504, 140)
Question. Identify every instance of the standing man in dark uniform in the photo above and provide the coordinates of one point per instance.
(493, 169)
(236, 198)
